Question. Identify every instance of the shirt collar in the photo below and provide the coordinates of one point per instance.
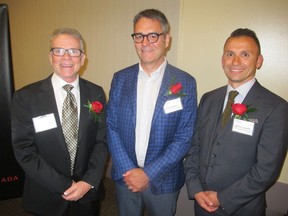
(243, 89)
(59, 82)
(155, 74)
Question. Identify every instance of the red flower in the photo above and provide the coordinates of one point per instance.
(239, 109)
(96, 106)
(176, 88)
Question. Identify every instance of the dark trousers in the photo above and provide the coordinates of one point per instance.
(77, 209)
(133, 204)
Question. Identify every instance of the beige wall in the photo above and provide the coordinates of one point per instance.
(204, 28)
(199, 30)
(106, 26)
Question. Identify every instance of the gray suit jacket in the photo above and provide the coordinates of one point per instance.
(239, 167)
(44, 156)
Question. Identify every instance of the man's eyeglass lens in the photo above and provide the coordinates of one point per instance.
(151, 37)
(62, 51)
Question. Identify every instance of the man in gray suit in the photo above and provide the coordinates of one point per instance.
(231, 165)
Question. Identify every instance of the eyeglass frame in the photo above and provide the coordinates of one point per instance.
(147, 36)
(66, 51)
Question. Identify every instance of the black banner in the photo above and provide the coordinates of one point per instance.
(11, 175)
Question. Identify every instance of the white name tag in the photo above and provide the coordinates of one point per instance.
(45, 122)
(243, 127)
(172, 105)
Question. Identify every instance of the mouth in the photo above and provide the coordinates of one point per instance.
(147, 49)
(66, 65)
(236, 70)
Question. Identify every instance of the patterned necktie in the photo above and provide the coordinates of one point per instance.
(70, 123)
(228, 109)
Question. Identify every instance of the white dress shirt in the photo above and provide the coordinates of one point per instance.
(147, 93)
(60, 93)
(242, 90)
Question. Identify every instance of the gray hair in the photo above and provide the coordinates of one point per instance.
(154, 15)
(68, 31)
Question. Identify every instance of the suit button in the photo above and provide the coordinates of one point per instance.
(214, 155)
(211, 167)
(218, 143)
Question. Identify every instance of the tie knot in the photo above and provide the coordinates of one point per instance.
(68, 87)
(232, 95)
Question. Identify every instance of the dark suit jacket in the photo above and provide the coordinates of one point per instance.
(239, 167)
(170, 135)
(44, 156)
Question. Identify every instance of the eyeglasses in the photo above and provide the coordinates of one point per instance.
(61, 52)
(151, 37)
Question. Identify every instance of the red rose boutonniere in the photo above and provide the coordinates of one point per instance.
(95, 108)
(175, 89)
(241, 110)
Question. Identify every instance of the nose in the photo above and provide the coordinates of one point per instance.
(66, 55)
(145, 41)
(236, 60)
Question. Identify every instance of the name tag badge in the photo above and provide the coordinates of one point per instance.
(45, 122)
(243, 127)
(172, 105)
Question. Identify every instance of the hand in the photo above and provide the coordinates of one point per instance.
(76, 191)
(136, 180)
(212, 195)
(205, 202)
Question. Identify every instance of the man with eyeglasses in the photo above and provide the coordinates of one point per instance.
(150, 119)
(58, 142)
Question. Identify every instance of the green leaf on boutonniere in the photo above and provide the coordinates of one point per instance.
(95, 108)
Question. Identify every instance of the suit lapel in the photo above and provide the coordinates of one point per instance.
(84, 112)
(254, 92)
(131, 86)
(48, 93)
(218, 103)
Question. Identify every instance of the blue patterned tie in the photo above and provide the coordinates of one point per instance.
(70, 123)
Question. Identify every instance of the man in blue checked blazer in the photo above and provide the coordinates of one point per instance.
(150, 119)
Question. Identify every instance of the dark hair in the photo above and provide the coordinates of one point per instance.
(154, 15)
(245, 32)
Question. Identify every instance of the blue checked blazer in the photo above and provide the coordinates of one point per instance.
(170, 135)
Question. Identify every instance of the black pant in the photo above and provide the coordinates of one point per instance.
(83, 209)
(87, 209)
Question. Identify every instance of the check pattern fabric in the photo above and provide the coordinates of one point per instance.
(170, 134)
(70, 123)
(228, 109)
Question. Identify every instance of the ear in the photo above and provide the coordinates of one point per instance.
(259, 62)
(50, 58)
(222, 61)
(83, 57)
(167, 40)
